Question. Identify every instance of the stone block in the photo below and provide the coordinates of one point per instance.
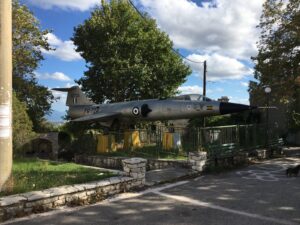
(103, 183)
(11, 200)
(90, 185)
(135, 161)
(126, 169)
(45, 201)
(47, 206)
(88, 193)
(80, 187)
(200, 163)
(82, 194)
(62, 197)
(70, 198)
(36, 195)
(106, 189)
(134, 175)
(29, 204)
(14, 210)
(59, 202)
(126, 179)
(28, 210)
(56, 191)
(114, 180)
(136, 170)
(261, 153)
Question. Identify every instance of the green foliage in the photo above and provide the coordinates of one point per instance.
(278, 59)
(28, 40)
(85, 144)
(46, 126)
(225, 120)
(150, 152)
(64, 139)
(219, 121)
(22, 126)
(76, 130)
(76, 138)
(34, 174)
(128, 57)
(296, 120)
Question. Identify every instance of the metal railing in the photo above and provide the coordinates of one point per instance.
(153, 143)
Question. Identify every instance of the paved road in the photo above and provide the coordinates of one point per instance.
(259, 194)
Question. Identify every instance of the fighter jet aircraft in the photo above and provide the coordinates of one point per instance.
(82, 109)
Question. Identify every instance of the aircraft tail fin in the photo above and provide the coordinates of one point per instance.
(75, 96)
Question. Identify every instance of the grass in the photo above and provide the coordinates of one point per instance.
(150, 152)
(34, 174)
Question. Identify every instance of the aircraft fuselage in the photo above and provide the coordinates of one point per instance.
(150, 110)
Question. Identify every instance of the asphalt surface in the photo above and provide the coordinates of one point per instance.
(259, 194)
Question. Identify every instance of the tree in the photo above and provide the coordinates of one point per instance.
(22, 125)
(28, 40)
(278, 59)
(127, 56)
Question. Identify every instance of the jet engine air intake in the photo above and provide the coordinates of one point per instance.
(145, 110)
(226, 108)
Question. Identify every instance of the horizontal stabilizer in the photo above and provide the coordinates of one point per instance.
(64, 89)
(97, 117)
(267, 107)
(75, 96)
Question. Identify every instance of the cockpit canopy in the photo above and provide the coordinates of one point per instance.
(192, 97)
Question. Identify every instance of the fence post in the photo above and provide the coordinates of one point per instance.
(246, 136)
(238, 136)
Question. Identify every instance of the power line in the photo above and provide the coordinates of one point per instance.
(178, 53)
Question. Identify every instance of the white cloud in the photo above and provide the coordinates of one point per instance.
(59, 95)
(194, 89)
(240, 100)
(53, 76)
(64, 50)
(219, 90)
(81, 5)
(60, 103)
(219, 67)
(61, 98)
(222, 26)
(244, 84)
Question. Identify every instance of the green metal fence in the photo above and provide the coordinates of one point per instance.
(242, 137)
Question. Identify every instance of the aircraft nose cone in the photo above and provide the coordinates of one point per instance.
(227, 108)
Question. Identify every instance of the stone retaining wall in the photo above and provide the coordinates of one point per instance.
(100, 161)
(155, 164)
(240, 158)
(136, 168)
(198, 160)
(79, 194)
(116, 162)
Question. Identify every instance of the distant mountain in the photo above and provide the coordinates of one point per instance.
(56, 116)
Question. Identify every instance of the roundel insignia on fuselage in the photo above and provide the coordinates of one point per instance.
(136, 111)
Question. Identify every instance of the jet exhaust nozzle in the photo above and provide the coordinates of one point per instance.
(227, 108)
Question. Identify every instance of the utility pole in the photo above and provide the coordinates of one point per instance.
(204, 78)
(5, 90)
(204, 85)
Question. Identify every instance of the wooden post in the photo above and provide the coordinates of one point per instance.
(5, 90)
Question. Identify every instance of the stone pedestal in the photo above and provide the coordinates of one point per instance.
(241, 158)
(262, 153)
(197, 160)
(136, 168)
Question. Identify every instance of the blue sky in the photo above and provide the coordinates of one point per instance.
(220, 31)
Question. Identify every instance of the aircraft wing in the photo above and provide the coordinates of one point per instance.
(97, 117)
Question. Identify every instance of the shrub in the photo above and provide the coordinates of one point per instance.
(22, 126)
